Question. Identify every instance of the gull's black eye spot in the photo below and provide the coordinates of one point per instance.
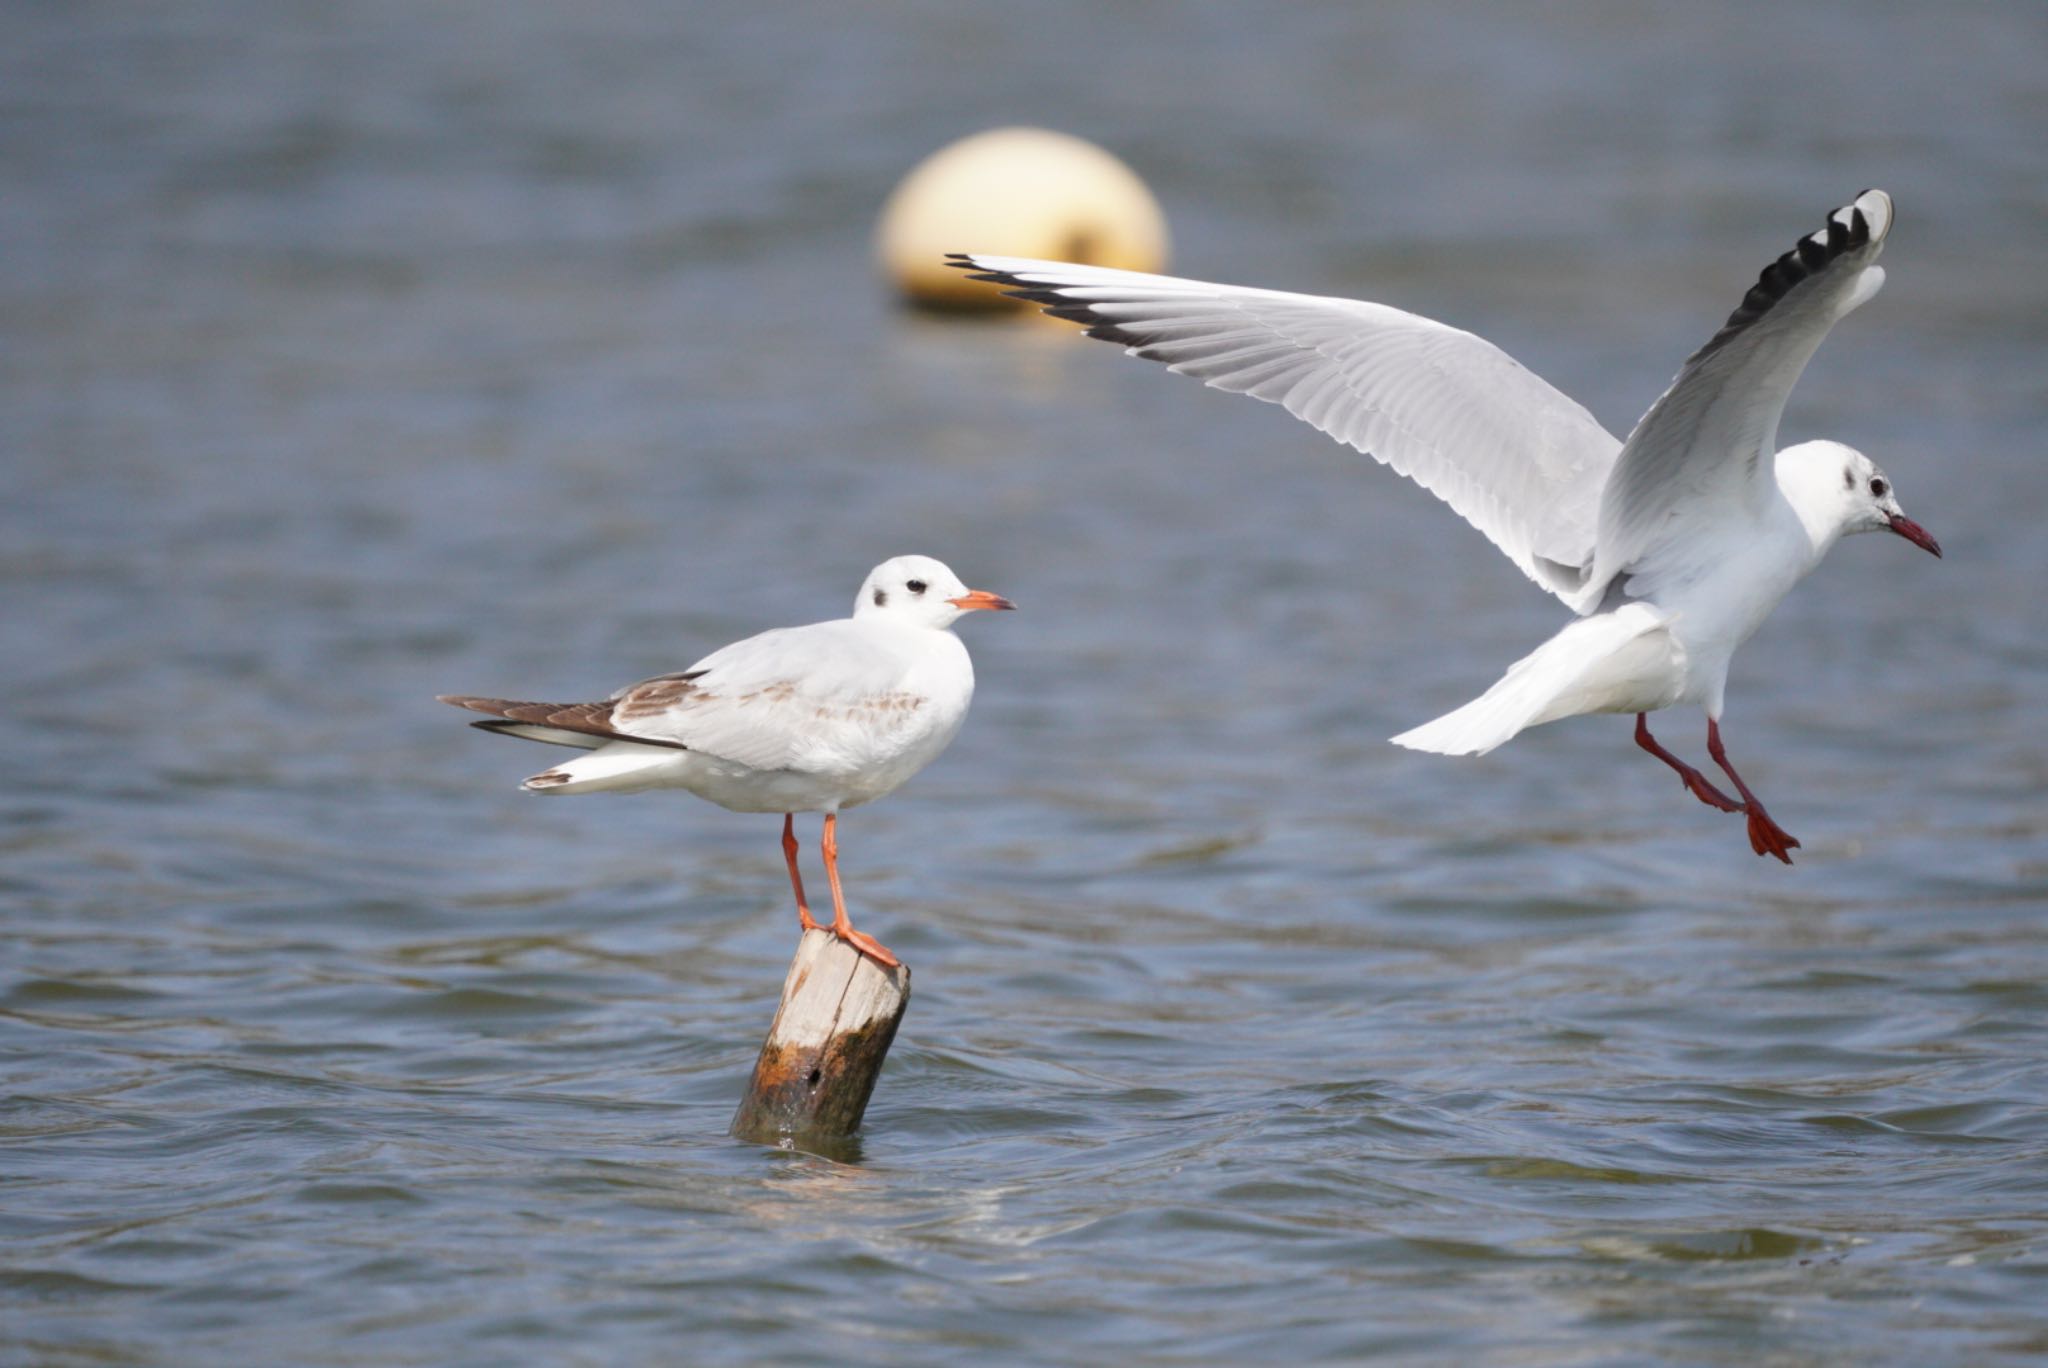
(915, 586)
(881, 598)
(1878, 487)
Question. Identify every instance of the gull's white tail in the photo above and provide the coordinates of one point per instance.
(1597, 664)
(617, 767)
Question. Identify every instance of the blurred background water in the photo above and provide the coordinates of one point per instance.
(355, 352)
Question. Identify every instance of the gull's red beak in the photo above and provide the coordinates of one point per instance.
(1915, 533)
(982, 598)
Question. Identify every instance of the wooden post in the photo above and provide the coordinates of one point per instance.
(818, 1066)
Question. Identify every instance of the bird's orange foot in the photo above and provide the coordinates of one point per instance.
(867, 945)
(1766, 837)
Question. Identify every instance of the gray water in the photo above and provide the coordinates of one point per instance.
(355, 353)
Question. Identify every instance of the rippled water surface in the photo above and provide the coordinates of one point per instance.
(355, 353)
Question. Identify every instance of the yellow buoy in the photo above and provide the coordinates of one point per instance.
(1014, 192)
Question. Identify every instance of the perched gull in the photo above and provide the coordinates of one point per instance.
(1672, 546)
(799, 719)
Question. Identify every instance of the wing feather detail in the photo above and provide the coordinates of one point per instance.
(584, 719)
(1707, 446)
(1513, 456)
(822, 698)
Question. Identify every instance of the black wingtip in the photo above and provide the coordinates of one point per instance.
(1809, 256)
(962, 261)
(1015, 287)
(1049, 298)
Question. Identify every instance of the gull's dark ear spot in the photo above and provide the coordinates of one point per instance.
(1848, 478)
(881, 599)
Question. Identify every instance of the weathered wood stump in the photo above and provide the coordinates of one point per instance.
(817, 1068)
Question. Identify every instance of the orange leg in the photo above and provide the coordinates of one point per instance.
(842, 927)
(1766, 837)
(796, 880)
(1695, 782)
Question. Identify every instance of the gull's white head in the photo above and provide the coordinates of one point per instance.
(1838, 490)
(920, 592)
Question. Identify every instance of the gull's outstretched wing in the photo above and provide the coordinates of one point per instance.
(1708, 445)
(1511, 455)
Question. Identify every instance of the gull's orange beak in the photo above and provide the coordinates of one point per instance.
(980, 598)
(1915, 533)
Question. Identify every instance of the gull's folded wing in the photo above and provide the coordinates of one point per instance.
(813, 698)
